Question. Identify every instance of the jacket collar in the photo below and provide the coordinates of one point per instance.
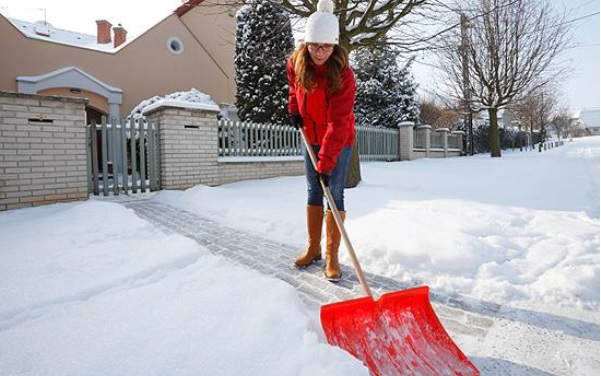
(319, 69)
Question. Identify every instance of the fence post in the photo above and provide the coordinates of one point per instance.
(123, 135)
(105, 164)
(427, 130)
(406, 141)
(115, 156)
(142, 156)
(133, 155)
(95, 170)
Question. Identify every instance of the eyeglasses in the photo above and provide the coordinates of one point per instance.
(314, 47)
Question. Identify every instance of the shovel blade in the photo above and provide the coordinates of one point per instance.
(399, 334)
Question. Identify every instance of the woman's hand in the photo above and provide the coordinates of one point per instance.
(325, 178)
(296, 121)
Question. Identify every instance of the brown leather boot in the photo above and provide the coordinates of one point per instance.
(332, 271)
(314, 225)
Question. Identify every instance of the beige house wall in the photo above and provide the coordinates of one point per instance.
(94, 100)
(142, 68)
(216, 30)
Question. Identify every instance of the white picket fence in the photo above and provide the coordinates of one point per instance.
(246, 139)
(122, 157)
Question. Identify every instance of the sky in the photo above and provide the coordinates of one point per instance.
(91, 288)
(580, 91)
(583, 90)
(136, 16)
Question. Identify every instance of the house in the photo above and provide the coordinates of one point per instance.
(193, 47)
(586, 122)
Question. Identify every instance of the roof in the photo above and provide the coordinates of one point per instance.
(45, 31)
(590, 117)
(187, 6)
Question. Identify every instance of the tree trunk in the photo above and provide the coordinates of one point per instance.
(531, 134)
(353, 175)
(495, 141)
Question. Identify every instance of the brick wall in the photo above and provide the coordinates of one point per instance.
(189, 152)
(231, 172)
(42, 150)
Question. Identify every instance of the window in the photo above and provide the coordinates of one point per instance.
(175, 45)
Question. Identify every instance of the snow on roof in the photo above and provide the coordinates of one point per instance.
(44, 31)
(590, 117)
(184, 99)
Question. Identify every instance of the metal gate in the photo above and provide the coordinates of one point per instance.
(122, 157)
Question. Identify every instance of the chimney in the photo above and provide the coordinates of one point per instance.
(103, 33)
(120, 35)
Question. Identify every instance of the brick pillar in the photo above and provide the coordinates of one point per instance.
(188, 146)
(406, 141)
(42, 150)
(426, 129)
(120, 35)
(103, 31)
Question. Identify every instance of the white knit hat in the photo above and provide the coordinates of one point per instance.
(322, 26)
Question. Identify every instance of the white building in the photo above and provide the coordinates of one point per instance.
(586, 122)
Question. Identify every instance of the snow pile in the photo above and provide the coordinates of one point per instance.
(523, 228)
(184, 99)
(89, 288)
(98, 291)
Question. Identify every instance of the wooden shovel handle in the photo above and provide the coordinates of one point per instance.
(337, 219)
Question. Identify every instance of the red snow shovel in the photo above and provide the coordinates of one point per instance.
(398, 334)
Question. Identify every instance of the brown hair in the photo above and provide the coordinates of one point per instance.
(305, 72)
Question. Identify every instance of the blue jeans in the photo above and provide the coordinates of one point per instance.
(337, 178)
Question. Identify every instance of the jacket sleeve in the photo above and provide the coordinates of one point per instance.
(292, 102)
(340, 123)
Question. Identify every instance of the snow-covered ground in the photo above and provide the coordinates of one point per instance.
(89, 288)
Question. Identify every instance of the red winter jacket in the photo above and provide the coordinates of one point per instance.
(328, 117)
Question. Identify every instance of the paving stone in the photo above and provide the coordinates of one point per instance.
(458, 315)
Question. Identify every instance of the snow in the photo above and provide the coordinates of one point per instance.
(192, 99)
(89, 288)
(47, 32)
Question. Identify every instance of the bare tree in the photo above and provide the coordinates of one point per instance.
(362, 23)
(525, 114)
(438, 116)
(512, 50)
(534, 110)
(429, 113)
(563, 123)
